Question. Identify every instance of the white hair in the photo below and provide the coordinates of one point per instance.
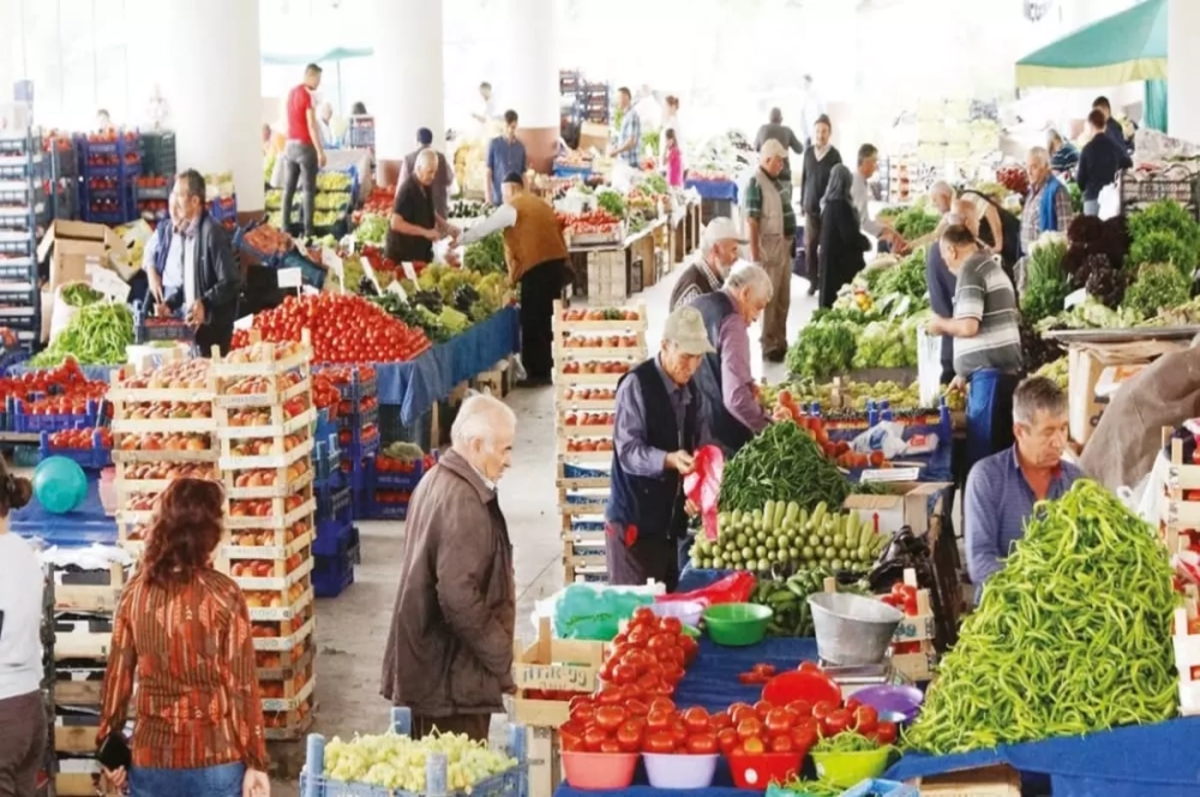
(772, 149)
(478, 418)
(1040, 155)
(426, 159)
(941, 187)
(748, 275)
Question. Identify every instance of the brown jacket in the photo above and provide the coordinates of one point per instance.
(535, 238)
(450, 648)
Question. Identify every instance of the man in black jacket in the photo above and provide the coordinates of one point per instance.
(190, 267)
(1101, 159)
(819, 160)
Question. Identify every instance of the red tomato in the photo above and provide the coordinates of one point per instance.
(804, 735)
(679, 733)
(823, 708)
(623, 674)
(572, 744)
(644, 614)
(809, 666)
(610, 717)
(696, 720)
(851, 705)
(801, 708)
(672, 626)
(583, 713)
(763, 708)
(754, 746)
(611, 746)
(866, 719)
(781, 744)
(837, 722)
(720, 721)
(750, 727)
(609, 696)
(727, 740)
(593, 738)
(886, 731)
(637, 707)
(750, 679)
(741, 714)
(703, 744)
(660, 742)
(662, 704)
(629, 737)
(778, 722)
(659, 720)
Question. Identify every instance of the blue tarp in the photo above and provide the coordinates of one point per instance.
(86, 525)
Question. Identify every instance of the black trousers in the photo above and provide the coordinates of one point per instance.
(540, 286)
(300, 160)
(630, 565)
(210, 335)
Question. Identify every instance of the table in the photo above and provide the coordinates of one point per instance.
(85, 526)
(725, 190)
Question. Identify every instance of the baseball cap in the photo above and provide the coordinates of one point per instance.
(685, 328)
(722, 228)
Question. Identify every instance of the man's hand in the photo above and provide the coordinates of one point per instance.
(455, 233)
(934, 325)
(681, 461)
(155, 284)
(958, 384)
(196, 314)
(255, 783)
(690, 507)
(117, 777)
(321, 159)
(433, 235)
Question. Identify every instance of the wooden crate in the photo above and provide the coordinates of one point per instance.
(606, 277)
(100, 597)
(994, 781)
(544, 759)
(555, 665)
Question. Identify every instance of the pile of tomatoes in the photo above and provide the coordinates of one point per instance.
(609, 723)
(81, 439)
(649, 655)
(325, 395)
(345, 329)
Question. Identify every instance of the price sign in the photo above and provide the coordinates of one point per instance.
(560, 677)
(410, 272)
(394, 287)
(109, 284)
(289, 278)
(334, 263)
(369, 271)
(245, 322)
(891, 475)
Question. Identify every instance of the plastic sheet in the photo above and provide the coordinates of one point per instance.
(703, 485)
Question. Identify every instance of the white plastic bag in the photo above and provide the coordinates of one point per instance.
(929, 367)
(61, 313)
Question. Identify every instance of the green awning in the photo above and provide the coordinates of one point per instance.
(336, 54)
(1123, 48)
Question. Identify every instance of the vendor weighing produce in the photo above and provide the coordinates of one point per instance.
(415, 224)
(660, 422)
(1002, 489)
(987, 340)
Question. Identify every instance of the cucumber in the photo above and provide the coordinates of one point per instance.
(769, 515)
(818, 514)
(792, 513)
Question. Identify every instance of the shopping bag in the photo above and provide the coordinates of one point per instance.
(703, 485)
(929, 367)
(734, 588)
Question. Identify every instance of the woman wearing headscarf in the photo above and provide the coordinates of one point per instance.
(842, 243)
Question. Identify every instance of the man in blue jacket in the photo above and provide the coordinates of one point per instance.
(189, 266)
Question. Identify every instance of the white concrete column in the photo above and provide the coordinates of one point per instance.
(208, 61)
(1183, 70)
(531, 84)
(408, 60)
(12, 48)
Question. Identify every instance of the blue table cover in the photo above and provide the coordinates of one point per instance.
(86, 525)
(714, 189)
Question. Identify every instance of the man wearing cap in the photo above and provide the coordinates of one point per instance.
(659, 426)
(537, 258)
(771, 229)
(442, 179)
(718, 252)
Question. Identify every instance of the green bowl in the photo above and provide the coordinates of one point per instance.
(849, 769)
(737, 625)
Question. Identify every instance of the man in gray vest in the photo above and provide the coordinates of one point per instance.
(771, 230)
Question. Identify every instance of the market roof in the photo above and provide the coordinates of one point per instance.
(1129, 46)
(336, 54)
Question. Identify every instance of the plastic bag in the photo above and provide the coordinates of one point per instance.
(734, 588)
(583, 612)
(703, 485)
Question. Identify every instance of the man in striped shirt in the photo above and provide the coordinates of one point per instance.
(987, 340)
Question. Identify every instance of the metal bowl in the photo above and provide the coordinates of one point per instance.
(851, 629)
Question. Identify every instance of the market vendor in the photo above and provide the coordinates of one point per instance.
(449, 652)
(719, 249)
(538, 261)
(987, 339)
(442, 180)
(415, 223)
(1003, 488)
(730, 396)
(189, 266)
(860, 194)
(659, 426)
(819, 160)
(771, 231)
(1048, 207)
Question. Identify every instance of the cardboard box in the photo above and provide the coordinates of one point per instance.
(553, 665)
(593, 135)
(910, 504)
(76, 247)
(1086, 364)
(994, 781)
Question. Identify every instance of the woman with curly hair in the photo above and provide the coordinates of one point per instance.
(22, 716)
(183, 630)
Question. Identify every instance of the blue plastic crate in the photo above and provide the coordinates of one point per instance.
(332, 574)
(400, 481)
(377, 510)
(333, 538)
(24, 422)
(576, 472)
(268, 259)
(359, 449)
(94, 458)
(359, 418)
(176, 329)
(357, 388)
(334, 503)
(326, 458)
(310, 273)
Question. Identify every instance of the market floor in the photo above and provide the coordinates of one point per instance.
(352, 629)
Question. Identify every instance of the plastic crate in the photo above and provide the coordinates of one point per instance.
(357, 388)
(399, 481)
(356, 420)
(326, 457)
(334, 503)
(510, 783)
(378, 510)
(335, 538)
(24, 422)
(175, 329)
(224, 209)
(332, 574)
(360, 448)
(95, 458)
(267, 259)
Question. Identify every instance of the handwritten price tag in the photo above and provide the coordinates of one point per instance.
(394, 287)
(369, 271)
(109, 284)
(410, 273)
(334, 263)
(559, 677)
(289, 278)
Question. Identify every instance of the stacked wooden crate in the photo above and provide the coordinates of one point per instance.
(593, 349)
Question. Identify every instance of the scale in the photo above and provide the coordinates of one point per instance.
(851, 678)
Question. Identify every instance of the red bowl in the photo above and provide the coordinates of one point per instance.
(759, 770)
(811, 686)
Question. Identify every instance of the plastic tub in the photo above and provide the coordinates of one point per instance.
(675, 771)
(757, 771)
(737, 624)
(848, 769)
(599, 771)
(892, 699)
(811, 686)
(688, 612)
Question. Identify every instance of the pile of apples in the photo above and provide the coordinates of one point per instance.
(269, 660)
(606, 314)
(261, 416)
(161, 471)
(586, 446)
(590, 394)
(261, 507)
(250, 385)
(263, 568)
(590, 419)
(279, 719)
(153, 441)
(609, 341)
(263, 539)
(189, 375)
(141, 503)
(270, 629)
(605, 367)
(267, 599)
(264, 446)
(155, 410)
(257, 353)
(266, 477)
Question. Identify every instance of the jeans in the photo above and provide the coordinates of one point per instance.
(300, 160)
(219, 781)
(1091, 207)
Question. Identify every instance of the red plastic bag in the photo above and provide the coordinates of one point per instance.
(703, 485)
(734, 588)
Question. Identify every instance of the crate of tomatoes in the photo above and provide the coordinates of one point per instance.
(91, 448)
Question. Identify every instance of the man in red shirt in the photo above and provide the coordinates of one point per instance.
(304, 154)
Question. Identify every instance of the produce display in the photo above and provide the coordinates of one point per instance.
(397, 762)
(1165, 232)
(596, 222)
(1072, 636)
(345, 329)
(788, 600)
(1157, 287)
(1014, 178)
(1058, 370)
(912, 222)
(781, 464)
(824, 348)
(267, 239)
(486, 256)
(98, 334)
(1046, 283)
(783, 537)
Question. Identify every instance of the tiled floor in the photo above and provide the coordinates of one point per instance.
(352, 629)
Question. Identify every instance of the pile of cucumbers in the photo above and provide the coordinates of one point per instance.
(788, 598)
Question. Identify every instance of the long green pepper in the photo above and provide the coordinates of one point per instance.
(1072, 636)
(97, 335)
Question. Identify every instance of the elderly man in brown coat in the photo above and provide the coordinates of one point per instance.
(449, 653)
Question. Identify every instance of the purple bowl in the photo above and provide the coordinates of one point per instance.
(901, 701)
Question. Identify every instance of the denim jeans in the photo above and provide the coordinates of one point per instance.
(219, 781)
(300, 160)
(1091, 207)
